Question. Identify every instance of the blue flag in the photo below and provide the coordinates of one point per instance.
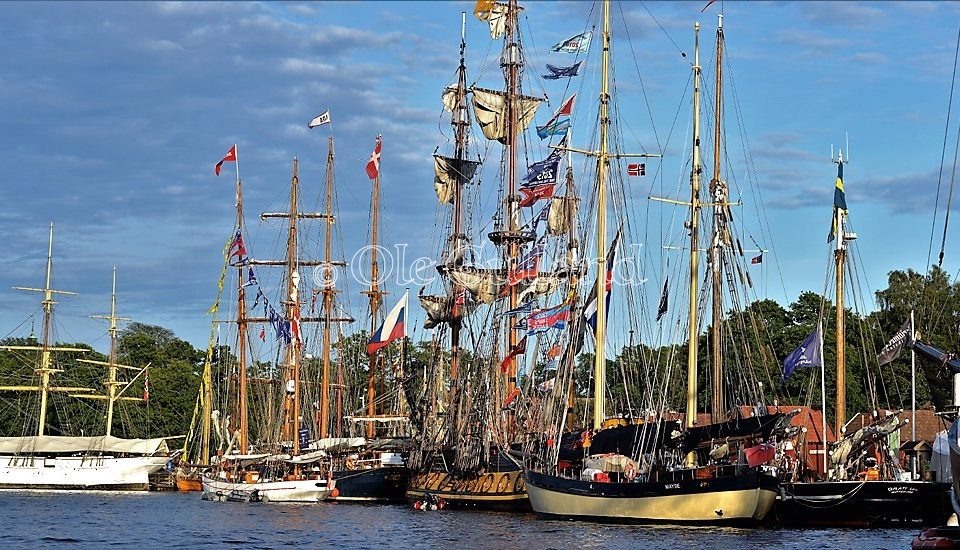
(557, 73)
(806, 356)
(575, 44)
(555, 128)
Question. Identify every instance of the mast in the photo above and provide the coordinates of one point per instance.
(512, 61)
(293, 313)
(840, 254)
(695, 172)
(241, 334)
(375, 295)
(718, 192)
(461, 125)
(327, 299)
(112, 362)
(600, 359)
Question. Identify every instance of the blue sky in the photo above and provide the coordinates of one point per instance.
(113, 114)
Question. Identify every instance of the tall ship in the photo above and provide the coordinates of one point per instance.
(466, 407)
(860, 480)
(654, 465)
(47, 455)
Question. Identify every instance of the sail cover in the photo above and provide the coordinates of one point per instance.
(562, 210)
(490, 109)
(447, 171)
(68, 444)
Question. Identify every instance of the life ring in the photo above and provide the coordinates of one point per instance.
(504, 483)
(487, 483)
(630, 471)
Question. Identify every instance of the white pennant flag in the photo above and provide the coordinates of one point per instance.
(322, 118)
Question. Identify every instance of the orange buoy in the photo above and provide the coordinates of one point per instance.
(334, 493)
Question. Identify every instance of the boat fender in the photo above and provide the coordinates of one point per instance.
(334, 493)
(630, 471)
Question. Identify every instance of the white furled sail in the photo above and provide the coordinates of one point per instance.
(447, 171)
(562, 210)
(484, 284)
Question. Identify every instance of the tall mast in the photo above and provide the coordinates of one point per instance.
(112, 362)
(461, 125)
(512, 60)
(328, 291)
(695, 172)
(840, 254)
(242, 334)
(376, 295)
(719, 196)
(600, 359)
(293, 307)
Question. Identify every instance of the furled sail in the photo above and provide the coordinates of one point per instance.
(490, 109)
(495, 14)
(443, 309)
(484, 284)
(850, 447)
(543, 284)
(447, 171)
(562, 210)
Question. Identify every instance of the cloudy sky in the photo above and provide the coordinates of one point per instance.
(113, 115)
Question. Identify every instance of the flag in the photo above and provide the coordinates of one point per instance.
(664, 299)
(575, 44)
(760, 454)
(518, 349)
(839, 202)
(559, 123)
(557, 73)
(892, 350)
(524, 308)
(590, 310)
(259, 295)
(637, 169)
(807, 355)
(543, 172)
(540, 320)
(373, 165)
(393, 327)
(543, 216)
(319, 120)
(511, 397)
(146, 386)
(251, 279)
(757, 259)
(230, 157)
(531, 195)
(238, 249)
(263, 334)
(555, 351)
(528, 266)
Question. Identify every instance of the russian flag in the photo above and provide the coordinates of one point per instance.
(392, 328)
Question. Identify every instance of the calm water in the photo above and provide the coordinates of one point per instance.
(182, 520)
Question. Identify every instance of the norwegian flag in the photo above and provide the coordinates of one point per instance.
(637, 169)
(373, 165)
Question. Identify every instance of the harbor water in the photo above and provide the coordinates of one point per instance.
(183, 520)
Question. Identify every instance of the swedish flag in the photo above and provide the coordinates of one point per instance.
(839, 202)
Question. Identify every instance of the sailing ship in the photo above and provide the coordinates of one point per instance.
(466, 409)
(84, 462)
(862, 482)
(657, 469)
(279, 465)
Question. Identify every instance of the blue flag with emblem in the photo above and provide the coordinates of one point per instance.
(806, 356)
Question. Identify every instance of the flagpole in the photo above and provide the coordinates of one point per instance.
(823, 398)
(236, 162)
(913, 398)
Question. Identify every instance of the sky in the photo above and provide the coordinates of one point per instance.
(113, 114)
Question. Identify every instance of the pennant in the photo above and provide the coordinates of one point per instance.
(373, 165)
(524, 308)
(807, 355)
(543, 216)
(757, 259)
(557, 73)
(251, 280)
(590, 310)
(530, 195)
(559, 123)
(902, 338)
(839, 203)
(518, 349)
(259, 295)
(146, 386)
(664, 299)
(393, 327)
(263, 334)
(320, 120)
(230, 157)
(528, 266)
(575, 44)
(511, 397)
(637, 169)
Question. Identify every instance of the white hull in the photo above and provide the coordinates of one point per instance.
(301, 490)
(79, 472)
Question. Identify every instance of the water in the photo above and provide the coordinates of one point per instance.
(183, 520)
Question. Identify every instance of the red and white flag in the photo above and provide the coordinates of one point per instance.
(637, 169)
(373, 165)
(146, 387)
(231, 157)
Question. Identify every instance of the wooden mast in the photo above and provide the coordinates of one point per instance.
(242, 335)
(840, 254)
(293, 306)
(512, 61)
(695, 172)
(718, 192)
(327, 298)
(600, 359)
(375, 295)
(461, 125)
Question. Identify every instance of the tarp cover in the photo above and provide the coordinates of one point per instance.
(69, 444)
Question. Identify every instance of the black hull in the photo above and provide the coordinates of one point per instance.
(862, 504)
(742, 499)
(384, 484)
